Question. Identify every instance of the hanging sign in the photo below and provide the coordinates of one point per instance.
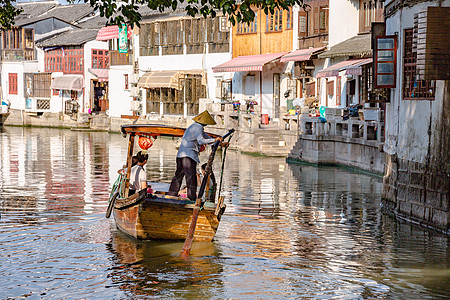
(123, 39)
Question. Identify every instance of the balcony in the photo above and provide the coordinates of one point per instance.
(117, 59)
(18, 54)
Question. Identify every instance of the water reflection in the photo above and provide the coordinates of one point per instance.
(289, 231)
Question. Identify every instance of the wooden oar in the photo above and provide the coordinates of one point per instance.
(190, 235)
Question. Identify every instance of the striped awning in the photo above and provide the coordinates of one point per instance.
(111, 33)
(68, 82)
(101, 74)
(334, 70)
(301, 54)
(356, 68)
(248, 63)
(165, 79)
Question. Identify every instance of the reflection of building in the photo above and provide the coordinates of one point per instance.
(67, 171)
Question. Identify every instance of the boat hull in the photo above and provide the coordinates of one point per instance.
(161, 218)
(3, 117)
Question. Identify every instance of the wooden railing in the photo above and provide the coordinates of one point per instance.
(116, 58)
(18, 54)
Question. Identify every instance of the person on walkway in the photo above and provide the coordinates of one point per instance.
(138, 176)
(187, 157)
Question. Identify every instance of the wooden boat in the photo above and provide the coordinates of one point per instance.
(3, 117)
(156, 215)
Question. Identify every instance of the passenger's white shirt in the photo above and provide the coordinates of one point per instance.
(137, 175)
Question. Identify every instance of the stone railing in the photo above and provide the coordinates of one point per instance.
(226, 117)
(354, 128)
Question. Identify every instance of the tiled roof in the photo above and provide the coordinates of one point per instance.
(70, 13)
(34, 9)
(359, 45)
(95, 22)
(74, 37)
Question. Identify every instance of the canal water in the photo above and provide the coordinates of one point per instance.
(290, 231)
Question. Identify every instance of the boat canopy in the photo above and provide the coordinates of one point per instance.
(155, 130)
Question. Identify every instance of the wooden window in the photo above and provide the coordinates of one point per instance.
(338, 90)
(100, 59)
(310, 89)
(125, 79)
(194, 35)
(41, 85)
(68, 60)
(226, 90)
(12, 83)
(252, 27)
(218, 41)
(414, 89)
(330, 88)
(369, 11)
(385, 61)
(274, 22)
(289, 18)
(302, 23)
(323, 19)
(53, 60)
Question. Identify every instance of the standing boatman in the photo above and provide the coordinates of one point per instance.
(187, 157)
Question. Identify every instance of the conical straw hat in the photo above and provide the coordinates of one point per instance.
(204, 118)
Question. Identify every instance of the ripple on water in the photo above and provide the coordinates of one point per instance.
(289, 231)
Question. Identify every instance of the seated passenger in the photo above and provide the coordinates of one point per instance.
(138, 176)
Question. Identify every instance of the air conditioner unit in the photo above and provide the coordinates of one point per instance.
(224, 24)
(135, 106)
(134, 91)
(134, 78)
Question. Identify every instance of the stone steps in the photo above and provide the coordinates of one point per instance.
(271, 143)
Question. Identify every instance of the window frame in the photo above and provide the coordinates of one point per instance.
(274, 22)
(101, 59)
(409, 70)
(12, 84)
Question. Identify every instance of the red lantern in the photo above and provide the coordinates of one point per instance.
(145, 142)
(202, 148)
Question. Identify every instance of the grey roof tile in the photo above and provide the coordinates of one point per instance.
(74, 37)
(359, 45)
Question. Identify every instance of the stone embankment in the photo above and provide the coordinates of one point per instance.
(352, 143)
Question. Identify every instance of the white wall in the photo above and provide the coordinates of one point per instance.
(119, 98)
(343, 20)
(88, 65)
(187, 62)
(20, 67)
(407, 121)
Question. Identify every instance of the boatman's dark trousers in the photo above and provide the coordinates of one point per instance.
(185, 167)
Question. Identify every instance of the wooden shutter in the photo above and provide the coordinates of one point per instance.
(302, 23)
(316, 19)
(330, 88)
(12, 83)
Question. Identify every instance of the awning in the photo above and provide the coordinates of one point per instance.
(68, 82)
(165, 79)
(247, 63)
(110, 33)
(102, 74)
(301, 54)
(334, 69)
(356, 68)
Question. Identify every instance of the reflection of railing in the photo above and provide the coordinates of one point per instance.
(116, 58)
(17, 54)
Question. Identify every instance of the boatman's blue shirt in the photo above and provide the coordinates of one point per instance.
(193, 138)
